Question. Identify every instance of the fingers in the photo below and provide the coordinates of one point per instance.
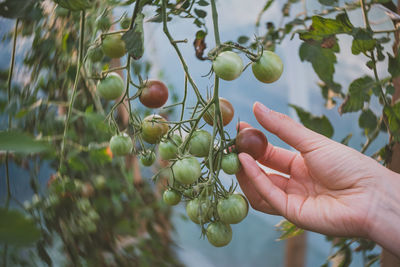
(263, 185)
(279, 159)
(288, 130)
(254, 198)
(242, 125)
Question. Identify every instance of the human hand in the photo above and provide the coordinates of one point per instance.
(333, 189)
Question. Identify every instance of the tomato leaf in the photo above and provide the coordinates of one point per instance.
(16, 229)
(200, 13)
(392, 114)
(20, 143)
(328, 2)
(134, 38)
(320, 124)
(363, 41)
(368, 120)
(288, 230)
(202, 3)
(323, 61)
(360, 91)
(394, 65)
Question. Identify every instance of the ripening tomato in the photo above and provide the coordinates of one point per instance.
(148, 159)
(227, 112)
(154, 94)
(187, 170)
(228, 65)
(199, 144)
(252, 142)
(113, 46)
(268, 68)
(199, 211)
(233, 209)
(168, 149)
(121, 145)
(230, 163)
(153, 128)
(171, 197)
(111, 87)
(219, 234)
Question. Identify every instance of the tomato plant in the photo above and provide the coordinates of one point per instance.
(95, 54)
(153, 128)
(199, 143)
(168, 148)
(121, 145)
(228, 65)
(268, 68)
(171, 197)
(111, 87)
(154, 94)
(199, 211)
(187, 170)
(252, 142)
(230, 163)
(125, 22)
(103, 23)
(233, 209)
(227, 112)
(147, 159)
(219, 234)
(113, 46)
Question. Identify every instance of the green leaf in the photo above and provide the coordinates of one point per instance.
(242, 39)
(200, 13)
(393, 118)
(328, 2)
(18, 142)
(394, 65)
(16, 229)
(363, 41)
(288, 230)
(368, 120)
(320, 124)
(323, 61)
(16, 8)
(360, 91)
(322, 27)
(134, 38)
(202, 3)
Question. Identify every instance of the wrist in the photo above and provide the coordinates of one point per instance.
(383, 225)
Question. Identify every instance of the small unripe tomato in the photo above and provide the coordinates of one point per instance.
(171, 197)
(252, 142)
(154, 94)
(148, 159)
(268, 68)
(121, 145)
(219, 234)
(168, 149)
(198, 211)
(111, 87)
(153, 128)
(187, 170)
(199, 144)
(233, 209)
(113, 46)
(125, 23)
(227, 112)
(230, 163)
(95, 54)
(228, 65)
(103, 23)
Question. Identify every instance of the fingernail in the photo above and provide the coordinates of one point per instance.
(261, 107)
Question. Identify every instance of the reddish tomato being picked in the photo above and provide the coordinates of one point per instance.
(227, 112)
(252, 142)
(154, 94)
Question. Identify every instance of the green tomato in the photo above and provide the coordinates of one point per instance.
(199, 144)
(103, 23)
(113, 46)
(233, 209)
(228, 65)
(95, 54)
(219, 234)
(111, 87)
(230, 163)
(121, 145)
(187, 170)
(171, 197)
(125, 23)
(268, 68)
(168, 149)
(153, 128)
(198, 211)
(148, 159)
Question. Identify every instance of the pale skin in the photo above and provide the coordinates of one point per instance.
(332, 189)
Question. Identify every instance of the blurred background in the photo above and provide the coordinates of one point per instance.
(254, 240)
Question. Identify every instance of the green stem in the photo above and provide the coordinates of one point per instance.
(215, 22)
(74, 90)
